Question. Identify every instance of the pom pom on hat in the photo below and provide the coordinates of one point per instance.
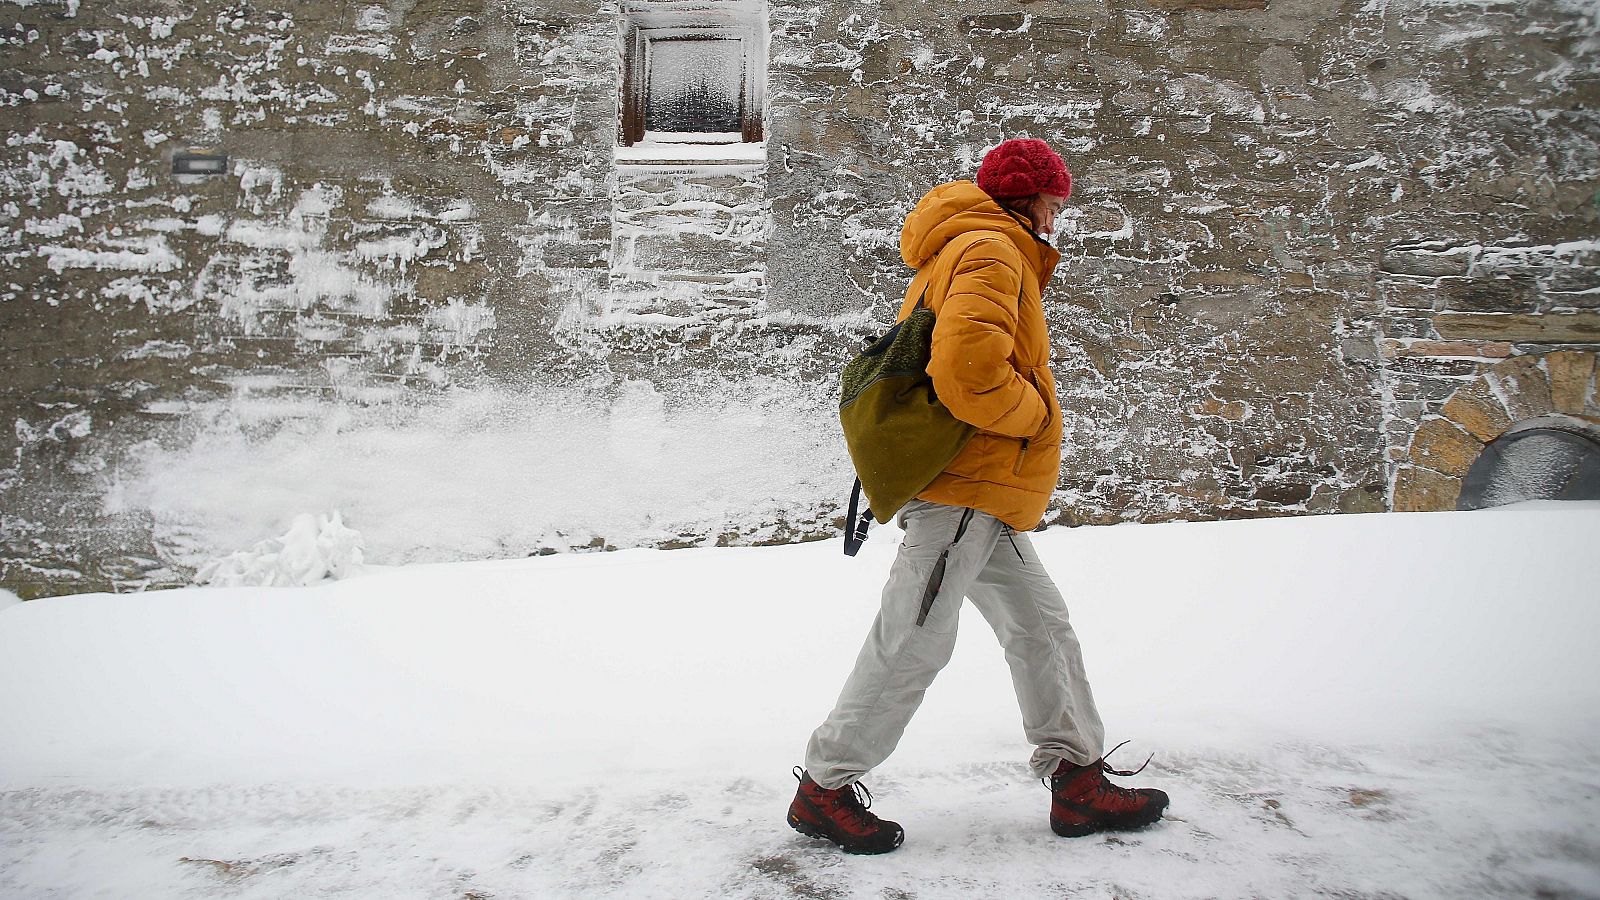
(1022, 167)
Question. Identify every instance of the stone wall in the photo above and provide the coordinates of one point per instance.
(1299, 226)
(418, 191)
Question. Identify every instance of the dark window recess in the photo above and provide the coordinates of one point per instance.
(690, 80)
(1536, 464)
(695, 86)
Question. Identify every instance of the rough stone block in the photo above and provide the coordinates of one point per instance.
(575, 256)
(1232, 410)
(1424, 263)
(1493, 294)
(1061, 30)
(1408, 410)
(1424, 490)
(1358, 348)
(1409, 295)
(1283, 493)
(1443, 446)
(1209, 5)
(1571, 328)
(994, 22)
(1477, 409)
(1408, 327)
(1524, 387)
(1366, 498)
(1227, 279)
(1459, 349)
(1434, 367)
(1573, 282)
(690, 252)
(1571, 380)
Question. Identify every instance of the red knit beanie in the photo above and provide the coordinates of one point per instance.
(1022, 167)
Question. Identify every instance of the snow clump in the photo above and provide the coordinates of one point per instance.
(314, 548)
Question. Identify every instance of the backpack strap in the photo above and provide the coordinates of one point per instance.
(855, 526)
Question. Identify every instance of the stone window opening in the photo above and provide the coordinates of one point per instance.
(692, 81)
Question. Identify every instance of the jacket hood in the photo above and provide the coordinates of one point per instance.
(959, 207)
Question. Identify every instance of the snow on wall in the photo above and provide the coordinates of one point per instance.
(491, 472)
(688, 247)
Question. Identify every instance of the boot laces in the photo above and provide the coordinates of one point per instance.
(1106, 767)
(854, 799)
(1102, 786)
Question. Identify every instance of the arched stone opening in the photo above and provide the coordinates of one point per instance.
(1549, 458)
(1541, 412)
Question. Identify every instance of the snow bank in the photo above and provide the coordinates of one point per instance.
(1342, 628)
(8, 600)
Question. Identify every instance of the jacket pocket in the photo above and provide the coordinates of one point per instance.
(1022, 452)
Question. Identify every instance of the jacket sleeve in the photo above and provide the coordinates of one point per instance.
(973, 340)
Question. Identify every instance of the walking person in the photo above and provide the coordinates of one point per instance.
(983, 259)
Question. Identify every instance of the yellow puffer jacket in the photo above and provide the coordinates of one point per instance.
(991, 350)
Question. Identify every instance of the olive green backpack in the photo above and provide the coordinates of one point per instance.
(899, 435)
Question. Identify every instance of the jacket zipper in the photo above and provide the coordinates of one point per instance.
(1022, 454)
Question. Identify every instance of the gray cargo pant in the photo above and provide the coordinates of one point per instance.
(1003, 576)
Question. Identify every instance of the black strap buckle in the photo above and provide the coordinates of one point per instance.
(856, 525)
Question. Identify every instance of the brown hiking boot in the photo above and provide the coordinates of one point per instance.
(842, 817)
(1082, 801)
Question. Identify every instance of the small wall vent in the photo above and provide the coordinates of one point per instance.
(191, 162)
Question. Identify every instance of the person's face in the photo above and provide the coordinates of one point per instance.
(1043, 211)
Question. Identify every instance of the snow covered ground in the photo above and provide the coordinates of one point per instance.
(1358, 706)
